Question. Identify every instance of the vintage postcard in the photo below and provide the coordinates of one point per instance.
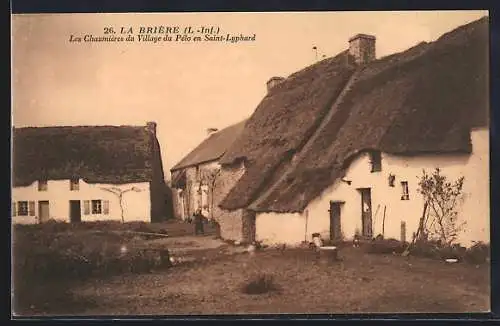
(250, 163)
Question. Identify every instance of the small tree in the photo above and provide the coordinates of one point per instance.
(119, 193)
(210, 177)
(442, 198)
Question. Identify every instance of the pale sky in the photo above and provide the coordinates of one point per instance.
(185, 87)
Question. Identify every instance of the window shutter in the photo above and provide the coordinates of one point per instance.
(86, 207)
(31, 208)
(106, 207)
(14, 209)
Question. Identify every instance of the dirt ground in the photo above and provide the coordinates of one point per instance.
(360, 283)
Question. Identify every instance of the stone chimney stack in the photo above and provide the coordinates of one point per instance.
(362, 48)
(273, 81)
(151, 127)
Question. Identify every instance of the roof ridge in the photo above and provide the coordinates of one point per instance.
(186, 161)
(301, 154)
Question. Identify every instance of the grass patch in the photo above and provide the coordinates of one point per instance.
(54, 254)
(261, 284)
(249, 284)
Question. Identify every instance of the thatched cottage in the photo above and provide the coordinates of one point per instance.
(196, 180)
(87, 173)
(340, 145)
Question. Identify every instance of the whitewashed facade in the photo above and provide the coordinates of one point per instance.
(402, 204)
(76, 200)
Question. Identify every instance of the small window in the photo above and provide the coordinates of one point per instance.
(22, 208)
(42, 185)
(404, 188)
(96, 207)
(105, 207)
(392, 179)
(14, 209)
(86, 207)
(74, 184)
(376, 161)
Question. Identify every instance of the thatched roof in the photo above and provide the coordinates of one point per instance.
(212, 148)
(422, 100)
(97, 154)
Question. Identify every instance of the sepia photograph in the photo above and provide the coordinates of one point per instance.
(250, 163)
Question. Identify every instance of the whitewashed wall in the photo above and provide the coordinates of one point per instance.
(136, 205)
(290, 228)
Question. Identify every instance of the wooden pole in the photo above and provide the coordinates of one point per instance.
(421, 223)
(403, 231)
(383, 223)
(420, 226)
(305, 233)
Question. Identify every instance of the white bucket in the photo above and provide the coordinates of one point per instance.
(328, 248)
(329, 253)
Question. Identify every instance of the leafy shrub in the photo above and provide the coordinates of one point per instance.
(385, 246)
(479, 253)
(426, 248)
(260, 284)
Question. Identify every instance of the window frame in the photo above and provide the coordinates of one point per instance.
(375, 161)
(98, 204)
(74, 184)
(20, 205)
(405, 190)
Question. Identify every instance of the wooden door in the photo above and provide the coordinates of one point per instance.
(43, 211)
(335, 226)
(75, 212)
(366, 212)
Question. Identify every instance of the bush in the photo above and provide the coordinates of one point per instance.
(386, 246)
(42, 256)
(479, 253)
(260, 284)
(426, 248)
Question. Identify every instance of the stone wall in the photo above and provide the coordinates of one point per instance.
(230, 222)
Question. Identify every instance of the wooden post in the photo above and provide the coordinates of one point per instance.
(383, 223)
(307, 220)
(420, 229)
(403, 231)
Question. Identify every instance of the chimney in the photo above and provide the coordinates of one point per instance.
(362, 48)
(151, 127)
(273, 81)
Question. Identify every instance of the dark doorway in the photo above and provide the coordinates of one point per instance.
(249, 227)
(335, 224)
(366, 212)
(75, 213)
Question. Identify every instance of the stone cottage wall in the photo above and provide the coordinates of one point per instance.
(230, 222)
